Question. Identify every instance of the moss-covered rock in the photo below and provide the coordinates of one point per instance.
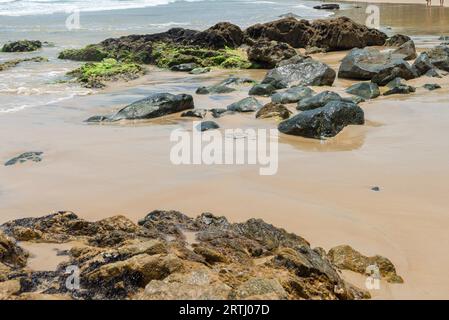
(93, 75)
(22, 46)
(89, 53)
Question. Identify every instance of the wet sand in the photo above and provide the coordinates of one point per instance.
(322, 190)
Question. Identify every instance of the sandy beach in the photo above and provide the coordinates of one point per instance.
(322, 190)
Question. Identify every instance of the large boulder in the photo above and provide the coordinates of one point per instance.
(439, 57)
(292, 95)
(219, 36)
(342, 34)
(154, 106)
(422, 64)
(317, 101)
(407, 49)
(289, 30)
(323, 122)
(307, 72)
(371, 64)
(267, 54)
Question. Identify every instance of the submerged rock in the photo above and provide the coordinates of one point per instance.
(35, 156)
(292, 95)
(366, 90)
(266, 54)
(249, 104)
(22, 46)
(207, 125)
(154, 106)
(184, 67)
(12, 63)
(273, 110)
(219, 112)
(347, 258)
(200, 70)
(323, 122)
(306, 72)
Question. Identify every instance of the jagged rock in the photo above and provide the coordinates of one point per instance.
(11, 254)
(432, 86)
(327, 6)
(422, 64)
(342, 34)
(154, 106)
(35, 156)
(249, 104)
(200, 70)
(262, 89)
(288, 30)
(347, 258)
(184, 67)
(259, 288)
(407, 49)
(267, 54)
(397, 40)
(292, 95)
(219, 36)
(323, 122)
(308, 72)
(196, 113)
(207, 125)
(273, 110)
(439, 57)
(366, 90)
(22, 46)
(398, 86)
(371, 64)
(317, 101)
(209, 254)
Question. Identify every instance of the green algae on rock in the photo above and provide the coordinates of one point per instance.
(22, 46)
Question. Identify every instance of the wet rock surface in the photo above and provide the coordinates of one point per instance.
(292, 95)
(249, 104)
(267, 54)
(154, 259)
(22, 46)
(317, 101)
(207, 125)
(366, 90)
(398, 86)
(33, 156)
(273, 110)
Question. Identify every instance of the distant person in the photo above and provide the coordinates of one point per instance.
(429, 2)
(441, 2)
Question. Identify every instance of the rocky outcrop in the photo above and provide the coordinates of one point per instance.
(342, 34)
(407, 50)
(22, 46)
(371, 64)
(12, 63)
(439, 57)
(266, 54)
(347, 258)
(273, 110)
(397, 40)
(154, 106)
(323, 122)
(305, 72)
(292, 95)
(249, 104)
(366, 90)
(10, 253)
(219, 36)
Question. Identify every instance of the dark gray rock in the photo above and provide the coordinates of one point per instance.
(184, 67)
(215, 89)
(273, 110)
(317, 101)
(195, 113)
(207, 125)
(327, 6)
(407, 50)
(219, 112)
(433, 73)
(439, 57)
(323, 122)
(371, 64)
(398, 86)
(292, 95)
(200, 70)
(308, 72)
(422, 64)
(266, 54)
(262, 89)
(366, 90)
(432, 86)
(397, 40)
(35, 156)
(249, 104)
(375, 188)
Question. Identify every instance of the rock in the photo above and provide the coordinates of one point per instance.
(397, 40)
(439, 57)
(432, 86)
(216, 89)
(211, 255)
(317, 101)
(22, 46)
(288, 30)
(398, 86)
(273, 110)
(196, 113)
(35, 156)
(308, 72)
(267, 54)
(12, 63)
(89, 53)
(11, 254)
(366, 90)
(292, 95)
(343, 34)
(26, 234)
(262, 89)
(422, 64)
(347, 258)
(289, 15)
(207, 125)
(199, 284)
(219, 112)
(433, 73)
(249, 104)
(185, 67)
(9, 288)
(375, 188)
(371, 64)
(154, 106)
(407, 49)
(200, 70)
(314, 50)
(327, 6)
(259, 289)
(323, 122)
(219, 36)
(443, 38)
